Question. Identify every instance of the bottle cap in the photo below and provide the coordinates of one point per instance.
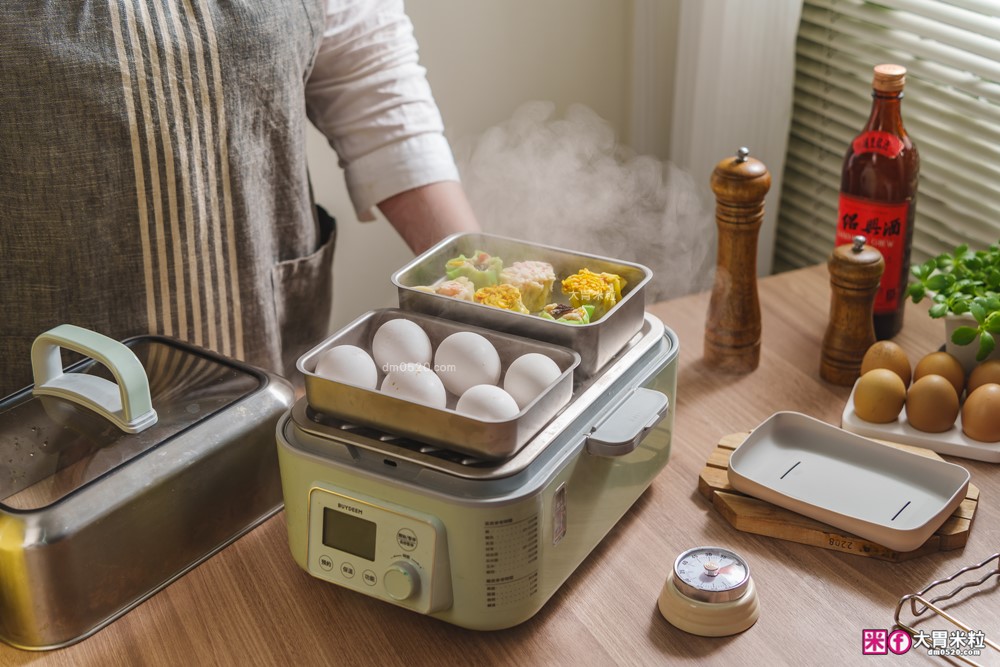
(889, 78)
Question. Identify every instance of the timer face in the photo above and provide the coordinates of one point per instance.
(709, 593)
(711, 569)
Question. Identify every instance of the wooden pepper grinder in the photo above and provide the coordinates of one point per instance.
(732, 330)
(855, 272)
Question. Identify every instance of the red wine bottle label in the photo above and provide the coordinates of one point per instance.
(884, 227)
(882, 143)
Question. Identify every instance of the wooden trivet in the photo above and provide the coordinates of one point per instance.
(762, 518)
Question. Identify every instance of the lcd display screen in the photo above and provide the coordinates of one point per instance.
(348, 533)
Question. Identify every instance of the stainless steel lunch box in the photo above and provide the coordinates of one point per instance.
(117, 477)
(597, 342)
(432, 426)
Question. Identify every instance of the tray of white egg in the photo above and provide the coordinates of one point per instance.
(440, 382)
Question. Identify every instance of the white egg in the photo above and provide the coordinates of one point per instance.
(528, 376)
(487, 402)
(399, 342)
(414, 382)
(465, 359)
(349, 364)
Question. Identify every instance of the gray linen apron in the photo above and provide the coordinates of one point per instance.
(153, 176)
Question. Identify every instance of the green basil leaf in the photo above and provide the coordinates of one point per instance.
(986, 345)
(960, 307)
(916, 292)
(978, 311)
(964, 335)
(939, 310)
(992, 323)
(940, 282)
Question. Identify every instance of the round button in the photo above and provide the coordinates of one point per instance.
(406, 539)
(401, 581)
(326, 562)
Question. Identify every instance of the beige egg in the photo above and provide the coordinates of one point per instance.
(932, 404)
(987, 372)
(943, 364)
(879, 396)
(981, 414)
(887, 354)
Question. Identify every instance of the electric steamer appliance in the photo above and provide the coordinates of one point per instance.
(478, 523)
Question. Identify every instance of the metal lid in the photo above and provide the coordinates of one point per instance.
(889, 78)
(50, 447)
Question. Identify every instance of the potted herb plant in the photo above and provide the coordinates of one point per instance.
(965, 288)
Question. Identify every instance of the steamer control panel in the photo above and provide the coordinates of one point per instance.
(377, 549)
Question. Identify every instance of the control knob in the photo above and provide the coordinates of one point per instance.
(401, 580)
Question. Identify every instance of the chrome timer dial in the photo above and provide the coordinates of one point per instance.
(711, 574)
(709, 592)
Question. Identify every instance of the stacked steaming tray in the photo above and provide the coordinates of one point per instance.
(579, 350)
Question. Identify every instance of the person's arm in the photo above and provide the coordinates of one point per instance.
(368, 94)
(425, 215)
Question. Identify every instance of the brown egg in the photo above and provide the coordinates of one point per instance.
(943, 364)
(932, 404)
(985, 373)
(981, 414)
(886, 354)
(879, 396)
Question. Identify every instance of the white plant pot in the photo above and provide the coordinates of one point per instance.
(966, 354)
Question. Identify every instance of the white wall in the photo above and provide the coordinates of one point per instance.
(734, 86)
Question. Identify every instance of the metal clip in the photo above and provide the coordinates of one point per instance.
(924, 603)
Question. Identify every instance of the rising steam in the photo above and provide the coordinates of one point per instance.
(568, 182)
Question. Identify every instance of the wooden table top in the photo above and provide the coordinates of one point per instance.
(251, 604)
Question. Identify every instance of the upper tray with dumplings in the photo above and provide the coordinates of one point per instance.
(588, 303)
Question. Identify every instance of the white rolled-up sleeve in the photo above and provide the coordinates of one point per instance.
(369, 95)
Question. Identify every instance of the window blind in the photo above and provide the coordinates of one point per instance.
(951, 109)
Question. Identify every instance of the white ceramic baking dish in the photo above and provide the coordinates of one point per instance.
(884, 494)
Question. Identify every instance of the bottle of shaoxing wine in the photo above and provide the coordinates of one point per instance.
(878, 194)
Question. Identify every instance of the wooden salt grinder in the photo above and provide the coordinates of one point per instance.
(732, 330)
(855, 272)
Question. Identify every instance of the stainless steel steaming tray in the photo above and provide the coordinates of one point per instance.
(453, 463)
(597, 342)
(443, 427)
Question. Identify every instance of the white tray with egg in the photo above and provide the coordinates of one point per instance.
(952, 442)
(408, 402)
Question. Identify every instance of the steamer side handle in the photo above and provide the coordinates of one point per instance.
(622, 431)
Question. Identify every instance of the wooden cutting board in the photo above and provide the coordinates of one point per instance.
(762, 518)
